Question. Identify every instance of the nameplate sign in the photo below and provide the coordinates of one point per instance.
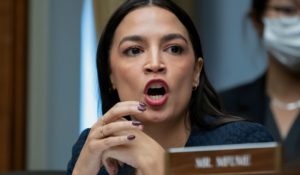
(250, 158)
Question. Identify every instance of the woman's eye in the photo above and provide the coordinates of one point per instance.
(134, 51)
(175, 50)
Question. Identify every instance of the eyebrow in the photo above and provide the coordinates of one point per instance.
(166, 38)
(135, 38)
(173, 36)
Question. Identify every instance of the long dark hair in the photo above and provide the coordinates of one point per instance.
(204, 100)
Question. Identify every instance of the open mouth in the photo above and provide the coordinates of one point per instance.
(156, 92)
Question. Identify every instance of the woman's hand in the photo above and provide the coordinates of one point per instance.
(109, 131)
(142, 153)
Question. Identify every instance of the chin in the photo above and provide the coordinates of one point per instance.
(153, 117)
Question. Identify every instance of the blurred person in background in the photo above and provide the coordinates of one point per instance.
(273, 99)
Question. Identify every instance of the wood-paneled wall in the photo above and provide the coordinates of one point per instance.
(13, 56)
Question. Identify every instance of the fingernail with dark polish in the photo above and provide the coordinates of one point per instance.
(131, 137)
(136, 123)
(142, 104)
(141, 108)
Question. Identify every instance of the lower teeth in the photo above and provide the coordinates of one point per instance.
(156, 97)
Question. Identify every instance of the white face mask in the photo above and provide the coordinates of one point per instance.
(282, 39)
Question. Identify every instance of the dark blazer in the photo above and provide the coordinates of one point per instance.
(230, 133)
(251, 101)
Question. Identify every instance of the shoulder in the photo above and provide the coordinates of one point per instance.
(77, 149)
(244, 131)
(231, 133)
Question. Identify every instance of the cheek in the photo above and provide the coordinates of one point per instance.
(184, 73)
(124, 71)
(182, 89)
(120, 76)
(126, 80)
(184, 83)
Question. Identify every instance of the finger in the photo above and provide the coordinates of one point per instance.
(115, 165)
(97, 147)
(120, 153)
(120, 110)
(110, 129)
(111, 166)
(121, 164)
(109, 142)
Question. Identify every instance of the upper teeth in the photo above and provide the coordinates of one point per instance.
(153, 86)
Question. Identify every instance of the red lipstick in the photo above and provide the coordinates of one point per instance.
(156, 92)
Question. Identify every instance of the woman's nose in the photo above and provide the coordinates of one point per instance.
(155, 65)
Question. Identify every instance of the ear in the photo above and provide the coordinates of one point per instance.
(197, 70)
(112, 81)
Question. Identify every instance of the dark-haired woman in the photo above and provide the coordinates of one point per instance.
(274, 98)
(155, 95)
